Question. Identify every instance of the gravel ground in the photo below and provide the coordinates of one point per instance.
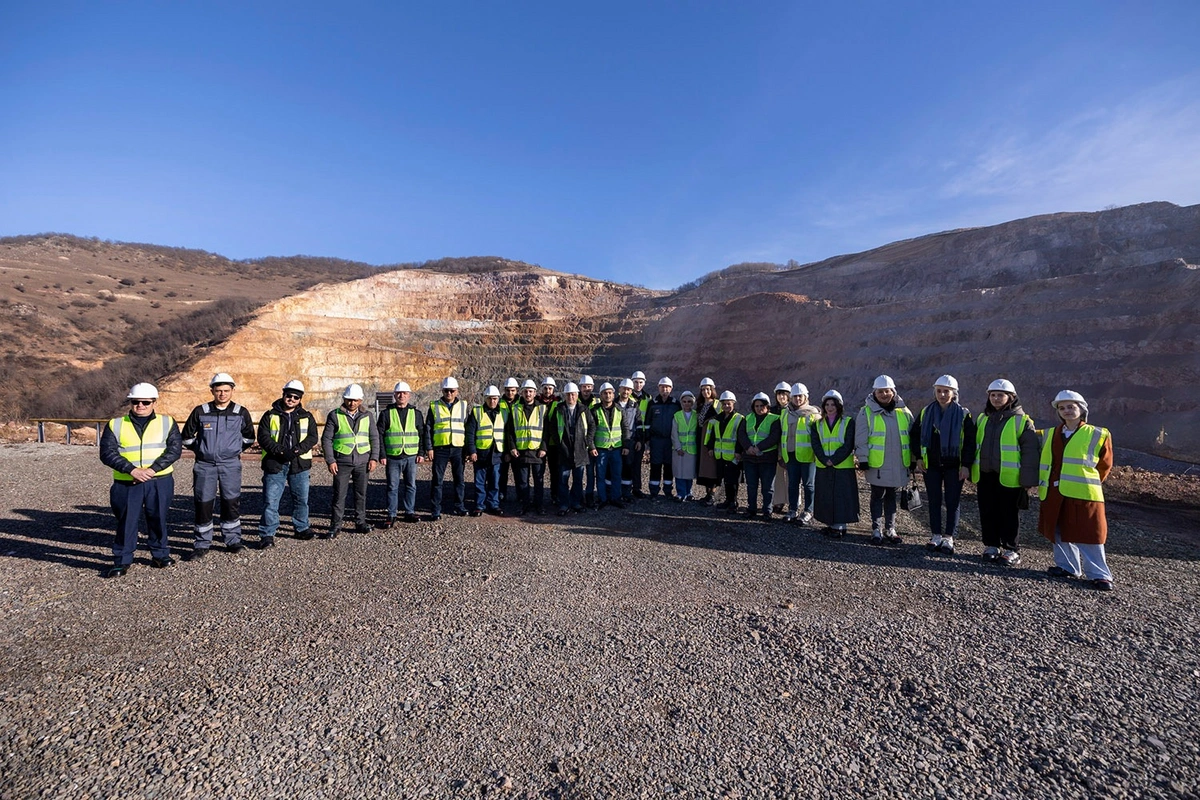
(661, 651)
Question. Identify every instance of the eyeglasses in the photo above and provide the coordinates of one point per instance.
(290, 396)
(141, 402)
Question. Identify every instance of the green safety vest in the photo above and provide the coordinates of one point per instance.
(724, 441)
(758, 429)
(643, 406)
(795, 441)
(832, 439)
(1079, 478)
(562, 419)
(144, 450)
(273, 427)
(877, 438)
(449, 423)
(401, 439)
(487, 433)
(608, 435)
(347, 441)
(1010, 449)
(528, 429)
(687, 431)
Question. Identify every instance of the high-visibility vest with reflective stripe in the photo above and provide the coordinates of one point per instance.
(643, 406)
(832, 439)
(687, 431)
(528, 429)
(273, 427)
(401, 439)
(1010, 449)
(758, 429)
(877, 438)
(347, 441)
(1079, 477)
(724, 441)
(562, 419)
(794, 441)
(488, 433)
(449, 423)
(141, 451)
(608, 435)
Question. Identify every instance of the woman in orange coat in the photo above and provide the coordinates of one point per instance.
(1076, 458)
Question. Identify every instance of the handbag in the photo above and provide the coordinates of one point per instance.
(910, 497)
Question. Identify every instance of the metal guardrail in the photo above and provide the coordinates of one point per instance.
(98, 422)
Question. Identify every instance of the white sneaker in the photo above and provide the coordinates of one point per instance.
(947, 545)
(991, 553)
(805, 518)
(1010, 558)
(935, 542)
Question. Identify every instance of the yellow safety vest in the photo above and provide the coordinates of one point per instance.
(346, 440)
(724, 441)
(608, 435)
(401, 439)
(273, 427)
(1081, 453)
(562, 419)
(687, 431)
(795, 441)
(758, 429)
(832, 439)
(144, 450)
(449, 423)
(1010, 449)
(487, 433)
(529, 429)
(877, 439)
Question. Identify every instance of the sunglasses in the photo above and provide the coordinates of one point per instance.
(141, 402)
(291, 396)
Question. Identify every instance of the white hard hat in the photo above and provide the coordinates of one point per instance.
(491, 391)
(946, 381)
(401, 387)
(1067, 394)
(687, 393)
(570, 388)
(707, 382)
(606, 385)
(783, 386)
(834, 393)
(450, 383)
(728, 395)
(294, 386)
(548, 381)
(529, 384)
(760, 396)
(665, 381)
(884, 382)
(221, 377)
(638, 376)
(626, 383)
(799, 388)
(512, 383)
(142, 391)
(1002, 385)
(586, 380)
(353, 392)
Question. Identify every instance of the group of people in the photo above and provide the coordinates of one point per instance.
(790, 454)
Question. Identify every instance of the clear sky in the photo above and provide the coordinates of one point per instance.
(644, 142)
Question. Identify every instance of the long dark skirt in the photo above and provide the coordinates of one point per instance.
(835, 496)
(709, 472)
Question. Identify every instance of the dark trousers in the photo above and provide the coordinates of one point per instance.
(661, 473)
(570, 487)
(552, 465)
(731, 471)
(631, 473)
(999, 512)
(127, 501)
(347, 473)
(759, 473)
(943, 485)
(530, 496)
(211, 482)
(441, 457)
(883, 504)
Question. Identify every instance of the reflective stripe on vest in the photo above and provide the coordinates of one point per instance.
(1010, 449)
(795, 442)
(725, 441)
(528, 429)
(608, 434)
(487, 433)
(877, 440)
(643, 406)
(449, 423)
(562, 419)
(758, 429)
(141, 451)
(1079, 477)
(687, 431)
(346, 441)
(832, 439)
(401, 439)
(273, 426)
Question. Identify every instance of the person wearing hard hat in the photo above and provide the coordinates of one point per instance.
(287, 434)
(525, 441)
(796, 453)
(882, 445)
(350, 442)
(631, 453)
(141, 449)
(588, 400)
(218, 433)
(835, 490)
(721, 440)
(611, 440)
(446, 434)
(708, 471)
(1077, 458)
(572, 435)
(758, 442)
(685, 446)
(404, 441)
(485, 450)
(942, 444)
(642, 441)
(1007, 453)
(508, 398)
(548, 397)
(783, 394)
(660, 416)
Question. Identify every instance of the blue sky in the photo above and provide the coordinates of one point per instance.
(642, 142)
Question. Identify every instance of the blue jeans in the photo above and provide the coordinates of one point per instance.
(758, 473)
(608, 475)
(800, 473)
(273, 485)
(402, 471)
(487, 484)
(683, 487)
(943, 484)
(441, 457)
(573, 477)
